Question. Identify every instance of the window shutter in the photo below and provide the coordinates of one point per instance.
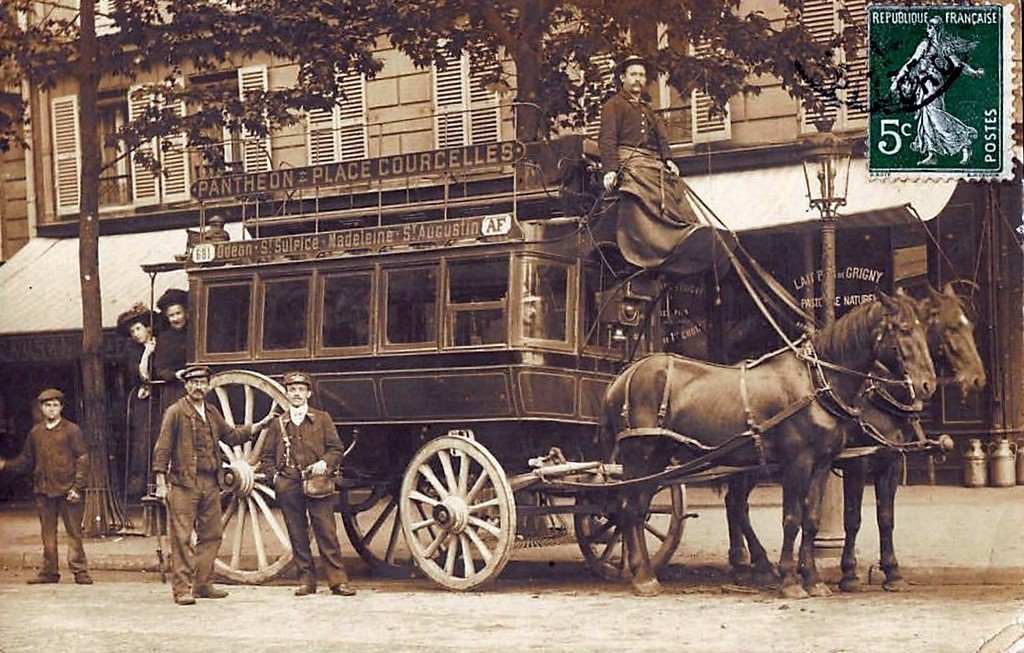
(484, 116)
(321, 130)
(819, 17)
(255, 149)
(352, 118)
(450, 103)
(66, 154)
(857, 91)
(604, 62)
(145, 184)
(707, 127)
(105, 18)
(174, 163)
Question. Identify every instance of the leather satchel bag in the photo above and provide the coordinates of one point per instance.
(318, 487)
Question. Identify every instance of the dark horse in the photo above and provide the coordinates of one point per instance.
(951, 341)
(895, 428)
(785, 409)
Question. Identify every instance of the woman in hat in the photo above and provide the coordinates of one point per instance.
(137, 324)
(171, 352)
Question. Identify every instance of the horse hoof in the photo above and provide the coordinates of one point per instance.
(793, 591)
(851, 585)
(896, 585)
(647, 588)
(763, 577)
(819, 590)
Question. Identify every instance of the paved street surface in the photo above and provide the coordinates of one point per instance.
(133, 612)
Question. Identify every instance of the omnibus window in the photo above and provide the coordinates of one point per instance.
(346, 311)
(412, 305)
(476, 302)
(545, 291)
(227, 318)
(285, 323)
(600, 308)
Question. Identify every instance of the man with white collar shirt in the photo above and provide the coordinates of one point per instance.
(305, 441)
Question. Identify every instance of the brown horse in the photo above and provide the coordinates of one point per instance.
(951, 339)
(785, 409)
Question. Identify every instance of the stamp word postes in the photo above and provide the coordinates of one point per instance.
(940, 92)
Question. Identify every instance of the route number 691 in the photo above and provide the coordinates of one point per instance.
(892, 127)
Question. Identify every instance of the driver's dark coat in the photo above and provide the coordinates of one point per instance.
(175, 451)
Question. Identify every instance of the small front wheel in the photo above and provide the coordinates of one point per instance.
(458, 513)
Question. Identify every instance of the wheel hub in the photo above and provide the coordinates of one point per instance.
(452, 513)
(240, 477)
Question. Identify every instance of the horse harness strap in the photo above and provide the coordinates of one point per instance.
(662, 408)
(755, 428)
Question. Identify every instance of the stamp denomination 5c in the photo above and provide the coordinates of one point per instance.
(940, 91)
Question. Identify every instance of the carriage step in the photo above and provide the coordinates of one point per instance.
(537, 541)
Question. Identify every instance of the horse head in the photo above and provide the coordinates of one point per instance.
(901, 343)
(951, 337)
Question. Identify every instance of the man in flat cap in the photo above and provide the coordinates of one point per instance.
(186, 460)
(300, 443)
(56, 454)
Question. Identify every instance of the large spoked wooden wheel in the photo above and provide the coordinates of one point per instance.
(369, 513)
(601, 542)
(255, 547)
(457, 512)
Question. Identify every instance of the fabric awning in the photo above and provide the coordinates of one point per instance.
(773, 197)
(40, 290)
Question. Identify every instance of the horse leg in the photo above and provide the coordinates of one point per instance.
(635, 504)
(735, 506)
(811, 519)
(763, 571)
(853, 498)
(887, 481)
(793, 491)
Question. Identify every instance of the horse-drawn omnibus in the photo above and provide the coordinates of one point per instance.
(464, 348)
(471, 330)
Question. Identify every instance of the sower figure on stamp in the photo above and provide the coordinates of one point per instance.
(305, 442)
(56, 454)
(921, 83)
(186, 460)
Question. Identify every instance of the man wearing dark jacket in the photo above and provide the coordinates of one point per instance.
(305, 442)
(186, 460)
(55, 452)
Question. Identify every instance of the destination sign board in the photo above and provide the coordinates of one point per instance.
(460, 159)
(350, 241)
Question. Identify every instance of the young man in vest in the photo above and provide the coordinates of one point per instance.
(304, 441)
(186, 460)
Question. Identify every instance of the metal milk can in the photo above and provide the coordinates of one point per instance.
(975, 464)
(1001, 458)
(1020, 463)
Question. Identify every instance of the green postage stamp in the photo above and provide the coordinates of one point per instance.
(941, 91)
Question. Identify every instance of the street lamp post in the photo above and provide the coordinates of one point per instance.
(827, 174)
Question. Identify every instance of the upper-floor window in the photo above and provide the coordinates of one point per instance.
(466, 112)
(847, 108)
(171, 184)
(251, 149)
(339, 134)
(115, 174)
(690, 117)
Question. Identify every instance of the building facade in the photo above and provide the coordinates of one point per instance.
(744, 162)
